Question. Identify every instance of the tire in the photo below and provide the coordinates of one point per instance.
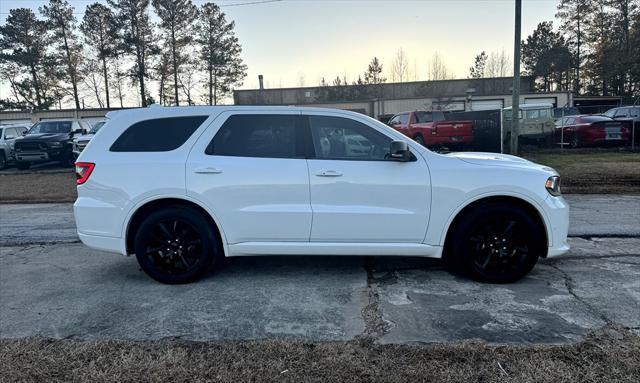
(67, 159)
(496, 243)
(575, 141)
(3, 161)
(419, 139)
(23, 165)
(193, 247)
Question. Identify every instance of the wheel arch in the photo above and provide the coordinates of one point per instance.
(147, 207)
(527, 205)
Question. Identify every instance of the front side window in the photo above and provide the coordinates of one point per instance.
(51, 127)
(533, 114)
(403, 118)
(634, 112)
(339, 138)
(257, 135)
(621, 113)
(157, 135)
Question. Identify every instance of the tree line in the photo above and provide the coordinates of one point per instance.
(50, 57)
(594, 51)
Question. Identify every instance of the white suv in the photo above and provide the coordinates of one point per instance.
(182, 188)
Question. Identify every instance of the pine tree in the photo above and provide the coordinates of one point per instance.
(572, 14)
(100, 31)
(478, 68)
(373, 75)
(219, 53)
(60, 18)
(176, 19)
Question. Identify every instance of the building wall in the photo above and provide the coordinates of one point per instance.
(89, 115)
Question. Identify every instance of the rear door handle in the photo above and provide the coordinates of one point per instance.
(208, 170)
(329, 173)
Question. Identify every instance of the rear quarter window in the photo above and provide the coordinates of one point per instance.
(157, 135)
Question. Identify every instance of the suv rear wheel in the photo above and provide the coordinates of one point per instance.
(3, 161)
(176, 245)
(496, 243)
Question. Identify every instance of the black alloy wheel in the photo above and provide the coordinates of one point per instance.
(496, 243)
(175, 245)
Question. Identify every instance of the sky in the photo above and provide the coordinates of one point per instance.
(297, 42)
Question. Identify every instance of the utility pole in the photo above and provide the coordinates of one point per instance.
(515, 108)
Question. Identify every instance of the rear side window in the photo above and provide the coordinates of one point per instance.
(258, 135)
(157, 135)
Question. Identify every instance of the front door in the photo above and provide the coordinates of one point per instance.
(357, 195)
(250, 169)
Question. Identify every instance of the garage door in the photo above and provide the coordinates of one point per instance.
(542, 100)
(486, 105)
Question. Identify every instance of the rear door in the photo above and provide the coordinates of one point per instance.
(356, 194)
(250, 169)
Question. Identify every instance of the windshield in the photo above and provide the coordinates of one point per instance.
(51, 127)
(97, 127)
(610, 112)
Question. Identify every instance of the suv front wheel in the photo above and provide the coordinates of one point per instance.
(176, 245)
(496, 243)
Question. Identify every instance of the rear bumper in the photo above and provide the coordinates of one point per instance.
(110, 244)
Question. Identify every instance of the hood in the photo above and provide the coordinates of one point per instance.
(44, 137)
(84, 137)
(497, 159)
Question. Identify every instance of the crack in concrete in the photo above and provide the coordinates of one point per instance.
(375, 325)
(569, 284)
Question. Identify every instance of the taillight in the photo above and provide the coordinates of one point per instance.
(83, 171)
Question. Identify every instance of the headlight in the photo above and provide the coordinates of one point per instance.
(55, 144)
(553, 185)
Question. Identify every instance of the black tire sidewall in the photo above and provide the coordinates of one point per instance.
(461, 259)
(3, 160)
(419, 139)
(201, 225)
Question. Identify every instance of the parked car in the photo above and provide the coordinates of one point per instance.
(182, 187)
(630, 116)
(48, 141)
(79, 143)
(431, 129)
(8, 135)
(589, 130)
(536, 123)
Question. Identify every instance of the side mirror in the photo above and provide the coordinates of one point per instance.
(399, 151)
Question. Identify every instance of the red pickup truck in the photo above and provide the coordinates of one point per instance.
(431, 128)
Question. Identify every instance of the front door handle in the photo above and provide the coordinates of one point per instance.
(329, 173)
(208, 170)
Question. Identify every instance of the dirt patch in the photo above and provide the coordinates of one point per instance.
(611, 355)
(594, 171)
(38, 187)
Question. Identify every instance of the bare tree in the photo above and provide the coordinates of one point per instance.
(499, 64)
(438, 68)
(93, 80)
(400, 67)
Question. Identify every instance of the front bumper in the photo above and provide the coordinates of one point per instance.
(557, 211)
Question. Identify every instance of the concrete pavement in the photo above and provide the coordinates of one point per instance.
(52, 286)
(591, 216)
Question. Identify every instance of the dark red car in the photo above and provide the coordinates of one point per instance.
(588, 130)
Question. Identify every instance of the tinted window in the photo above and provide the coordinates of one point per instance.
(403, 118)
(158, 135)
(343, 138)
(257, 135)
(634, 112)
(51, 127)
(429, 116)
(395, 120)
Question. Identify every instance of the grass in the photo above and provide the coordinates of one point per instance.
(609, 171)
(593, 171)
(610, 354)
